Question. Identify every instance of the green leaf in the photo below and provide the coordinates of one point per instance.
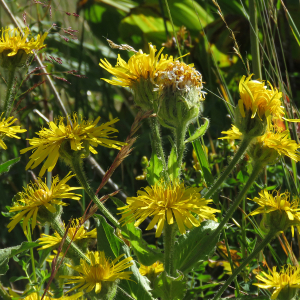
(107, 241)
(147, 255)
(199, 132)
(7, 253)
(139, 288)
(170, 288)
(113, 247)
(191, 247)
(8, 164)
(204, 164)
(155, 168)
(173, 169)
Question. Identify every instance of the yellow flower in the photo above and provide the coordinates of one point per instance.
(139, 66)
(139, 74)
(256, 98)
(232, 134)
(285, 211)
(152, 270)
(284, 281)
(37, 195)
(7, 130)
(164, 202)
(100, 270)
(14, 49)
(268, 146)
(34, 296)
(84, 135)
(280, 142)
(50, 241)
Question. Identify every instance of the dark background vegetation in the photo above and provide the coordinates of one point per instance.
(203, 34)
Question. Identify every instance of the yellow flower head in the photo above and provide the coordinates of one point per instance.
(269, 146)
(37, 195)
(100, 270)
(7, 130)
(173, 203)
(286, 210)
(83, 136)
(257, 99)
(139, 66)
(50, 241)
(281, 143)
(14, 49)
(232, 134)
(151, 271)
(139, 74)
(34, 296)
(284, 281)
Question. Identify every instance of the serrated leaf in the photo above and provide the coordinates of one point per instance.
(145, 254)
(5, 167)
(173, 169)
(7, 253)
(191, 247)
(199, 132)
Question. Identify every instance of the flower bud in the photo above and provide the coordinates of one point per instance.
(180, 95)
(257, 103)
(11, 62)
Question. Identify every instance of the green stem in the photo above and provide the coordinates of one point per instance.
(256, 170)
(3, 293)
(243, 147)
(157, 141)
(169, 242)
(255, 252)
(180, 145)
(254, 39)
(9, 92)
(74, 251)
(231, 263)
(32, 258)
(76, 164)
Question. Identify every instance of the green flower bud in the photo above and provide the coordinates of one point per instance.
(180, 95)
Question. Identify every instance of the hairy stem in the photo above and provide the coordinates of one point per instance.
(180, 145)
(32, 258)
(157, 141)
(255, 252)
(9, 92)
(243, 147)
(169, 242)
